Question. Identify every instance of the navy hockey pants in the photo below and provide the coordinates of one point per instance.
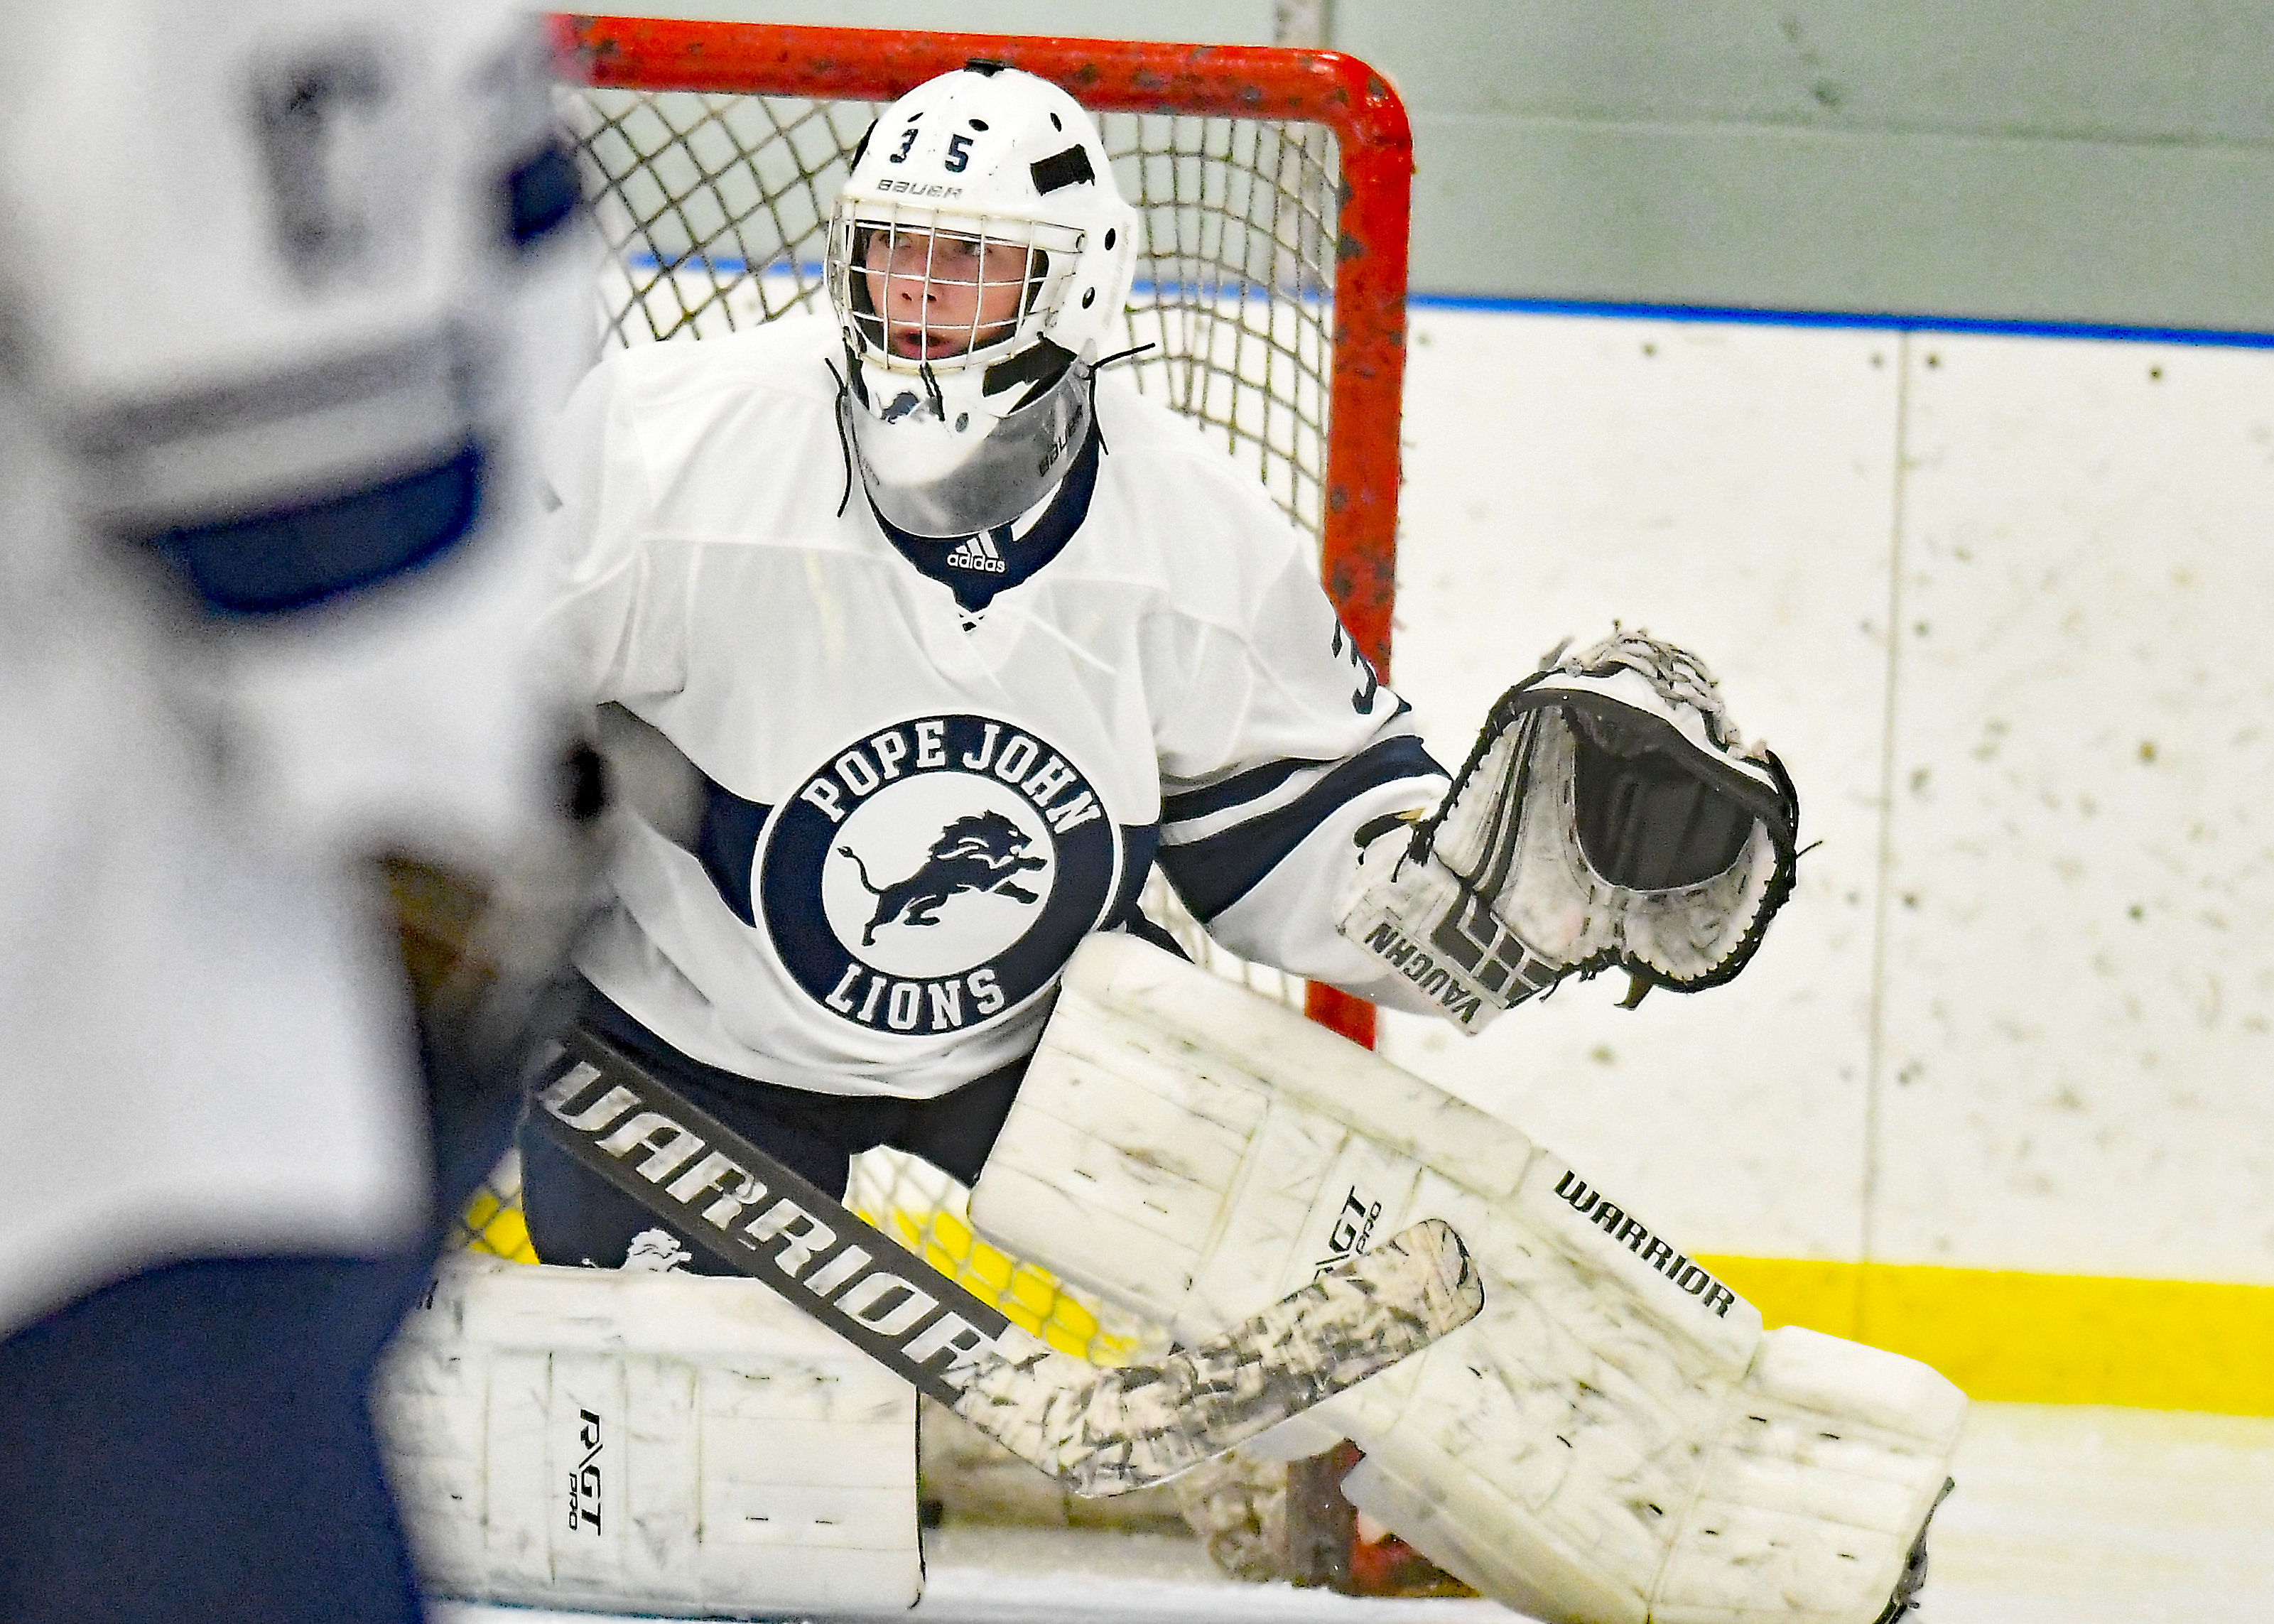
(192, 1444)
(576, 1217)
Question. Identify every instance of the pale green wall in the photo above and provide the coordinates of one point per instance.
(2080, 160)
(2067, 160)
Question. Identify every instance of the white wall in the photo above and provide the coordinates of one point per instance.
(2016, 1014)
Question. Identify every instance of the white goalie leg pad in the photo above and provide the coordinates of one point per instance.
(1614, 1439)
(668, 1443)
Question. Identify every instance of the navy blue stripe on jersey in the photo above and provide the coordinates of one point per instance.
(1140, 845)
(1252, 785)
(1213, 873)
(1255, 784)
(540, 196)
(295, 556)
(727, 844)
(1145, 931)
(1139, 842)
(965, 569)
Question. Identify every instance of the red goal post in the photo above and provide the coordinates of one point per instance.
(1362, 225)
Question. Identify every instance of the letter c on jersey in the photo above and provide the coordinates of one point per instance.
(933, 876)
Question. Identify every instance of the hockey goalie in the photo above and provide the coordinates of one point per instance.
(848, 875)
(919, 636)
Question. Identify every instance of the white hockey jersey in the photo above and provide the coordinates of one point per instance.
(260, 616)
(912, 812)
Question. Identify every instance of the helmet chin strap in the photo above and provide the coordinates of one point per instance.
(844, 441)
(1130, 354)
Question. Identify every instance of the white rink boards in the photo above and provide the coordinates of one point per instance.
(2078, 1025)
(2055, 787)
(1724, 487)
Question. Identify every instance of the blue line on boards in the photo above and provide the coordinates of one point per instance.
(1735, 315)
(1887, 321)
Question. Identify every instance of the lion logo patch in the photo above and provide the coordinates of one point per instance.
(984, 853)
(937, 875)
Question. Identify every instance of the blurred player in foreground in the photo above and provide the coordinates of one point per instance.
(264, 605)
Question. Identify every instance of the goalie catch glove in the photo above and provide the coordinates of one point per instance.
(1609, 814)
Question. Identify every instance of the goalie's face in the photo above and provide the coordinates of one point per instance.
(942, 294)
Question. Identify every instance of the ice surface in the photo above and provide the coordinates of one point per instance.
(1035, 1575)
(2063, 1515)
(2078, 1515)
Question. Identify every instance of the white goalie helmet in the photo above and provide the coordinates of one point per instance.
(979, 256)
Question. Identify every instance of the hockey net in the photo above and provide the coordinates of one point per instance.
(1272, 186)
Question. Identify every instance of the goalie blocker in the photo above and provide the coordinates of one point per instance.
(1608, 815)
(1615, 1440)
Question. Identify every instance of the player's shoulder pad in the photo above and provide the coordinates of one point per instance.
(1138, 426)
(788, 356)
(1187, 496)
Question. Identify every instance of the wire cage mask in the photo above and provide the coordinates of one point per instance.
(914, 288)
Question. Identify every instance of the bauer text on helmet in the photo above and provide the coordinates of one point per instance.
(979, 256)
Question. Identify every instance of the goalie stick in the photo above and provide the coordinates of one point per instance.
(1100, 1432)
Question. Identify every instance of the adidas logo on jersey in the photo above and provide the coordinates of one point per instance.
(977, 553)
